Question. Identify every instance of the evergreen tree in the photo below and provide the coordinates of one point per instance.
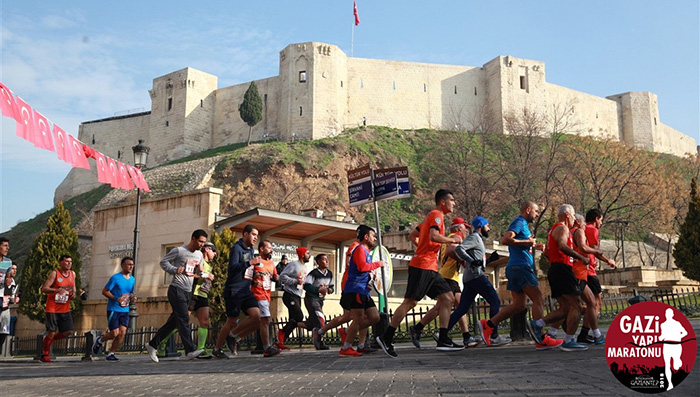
(687, 249)
(59, 239)
(217, 306)
(251, 109)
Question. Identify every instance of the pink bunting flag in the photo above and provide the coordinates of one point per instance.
(103, 174)
(124, 176)
(7, 104)
(62, 144)
(25, 120)
(42, 132)
(78, 158)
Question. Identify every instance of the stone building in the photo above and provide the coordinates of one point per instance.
(320, 92)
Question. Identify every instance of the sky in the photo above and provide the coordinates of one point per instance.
(76, 61)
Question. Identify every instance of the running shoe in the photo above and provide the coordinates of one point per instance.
(45, 358)
(111, 357)
(500, 340)
(366, 349)
(599, 340)
(280, 340)
(572, 346)
(97, 345)
(548, 343)
(343, 335)
(152, 352)
(232, 344)
(349, 352)
(316, 338)
(386, 346)
(271, 350)
(447, 345)
(205, 356)
(471, 341)
(415, 336)
(486, 332)
(535, 331)
(585, 338)
(193, 355)
(218, 353)
(323, 346)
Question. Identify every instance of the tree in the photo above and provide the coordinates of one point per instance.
(251, 109)
(687, 249)
(59, 239)
(223, 243)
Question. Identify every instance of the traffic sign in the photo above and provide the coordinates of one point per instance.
(385, 186)
(404, 186)
(360, 186)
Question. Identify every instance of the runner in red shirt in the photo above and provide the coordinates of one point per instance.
(590, 318)
(60, 290)
(423, 277)
(264, 274)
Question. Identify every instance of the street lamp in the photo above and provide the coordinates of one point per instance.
(140, 158)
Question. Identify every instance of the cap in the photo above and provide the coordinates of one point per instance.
(479, 222)
(458, 221)
(283, 257)
(211, 246)
(301, 251)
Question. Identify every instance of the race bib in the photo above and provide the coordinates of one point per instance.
(267, 285)
(190, 266)
(124, 300)
(61, 298)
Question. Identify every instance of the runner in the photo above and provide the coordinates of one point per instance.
(522, 280)
(264, 274)
(356, 293)
(317, 284)
(423, 277)
(580, 269)
(472, 253)
(120, 292)
(292, 279)
(59, 288)
(449, 270)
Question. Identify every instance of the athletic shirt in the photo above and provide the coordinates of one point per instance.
(450, 267)
(520, 255)
(358, 271)
(200, 282)
(348, 257)
(553, 251)
(592, 234)
(262, 279)
(119, 285)
(427, 250)
(580, 269)
(68, 283)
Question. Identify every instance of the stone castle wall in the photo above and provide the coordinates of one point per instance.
(320, 91)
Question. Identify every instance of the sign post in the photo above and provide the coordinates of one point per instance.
(365, 185)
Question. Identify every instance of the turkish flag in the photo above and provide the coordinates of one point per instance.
(103, 174)
(354, 11)
(113, 172)
(77, 155)
(8, 105)
(62, 144)
(139, 179)
(43, 132)
(124, 176)
(25, 120)
(89, 152)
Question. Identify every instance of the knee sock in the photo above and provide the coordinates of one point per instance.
(46, 346)
(166, 339)
(419, 327)
(202, 334)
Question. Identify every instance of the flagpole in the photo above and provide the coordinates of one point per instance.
(352, 40)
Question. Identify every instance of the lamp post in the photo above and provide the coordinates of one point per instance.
(140, 158)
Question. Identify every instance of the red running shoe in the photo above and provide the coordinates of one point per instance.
(45, 359)
(548, 343)
(349, 352)
(280, 340)
(486, 332)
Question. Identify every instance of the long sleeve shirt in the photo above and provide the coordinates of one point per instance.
(182, 257)
(290, 278)
(315, 279)
(238, 261)
(472, 249)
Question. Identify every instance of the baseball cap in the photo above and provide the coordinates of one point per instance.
(479, 222)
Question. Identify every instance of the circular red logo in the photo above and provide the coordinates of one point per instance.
(650, 347)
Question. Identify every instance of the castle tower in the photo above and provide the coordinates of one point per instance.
(182, 114)
(638, 115)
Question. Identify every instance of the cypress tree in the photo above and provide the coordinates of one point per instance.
(687, 250)
(217, 306)
(251, 109)
(58, 239)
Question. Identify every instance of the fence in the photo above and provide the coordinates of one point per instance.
(687, 301)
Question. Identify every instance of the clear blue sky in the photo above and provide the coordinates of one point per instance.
(76, 61)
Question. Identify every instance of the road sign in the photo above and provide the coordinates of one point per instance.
(360, 186)
(404, 186)
(385, 186)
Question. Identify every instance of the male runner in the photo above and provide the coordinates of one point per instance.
(423, 277)
(522, 280)
(59, 288)
(264, 274)
(237, 294)
(292, 279)
(317, 284)
(120, 292)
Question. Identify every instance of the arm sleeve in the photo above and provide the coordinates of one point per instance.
(359, 257)
(167, 262)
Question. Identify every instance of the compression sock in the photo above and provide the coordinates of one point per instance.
(202, 334)
(46, 345)
(164, 342)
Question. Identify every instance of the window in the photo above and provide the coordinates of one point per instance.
(201, 103)
(341, 83)
(522, 83)
(475, 91)
(170, 103)
(302, 76)
(301, 111)
(455, 90)
(167, 123)
(167, 277)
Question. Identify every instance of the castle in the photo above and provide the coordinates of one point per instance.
(320, 92)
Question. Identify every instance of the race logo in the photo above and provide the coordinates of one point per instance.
(650, 347)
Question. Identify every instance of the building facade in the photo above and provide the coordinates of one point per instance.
(320, 92)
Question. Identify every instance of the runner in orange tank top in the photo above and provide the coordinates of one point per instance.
(60, 290)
